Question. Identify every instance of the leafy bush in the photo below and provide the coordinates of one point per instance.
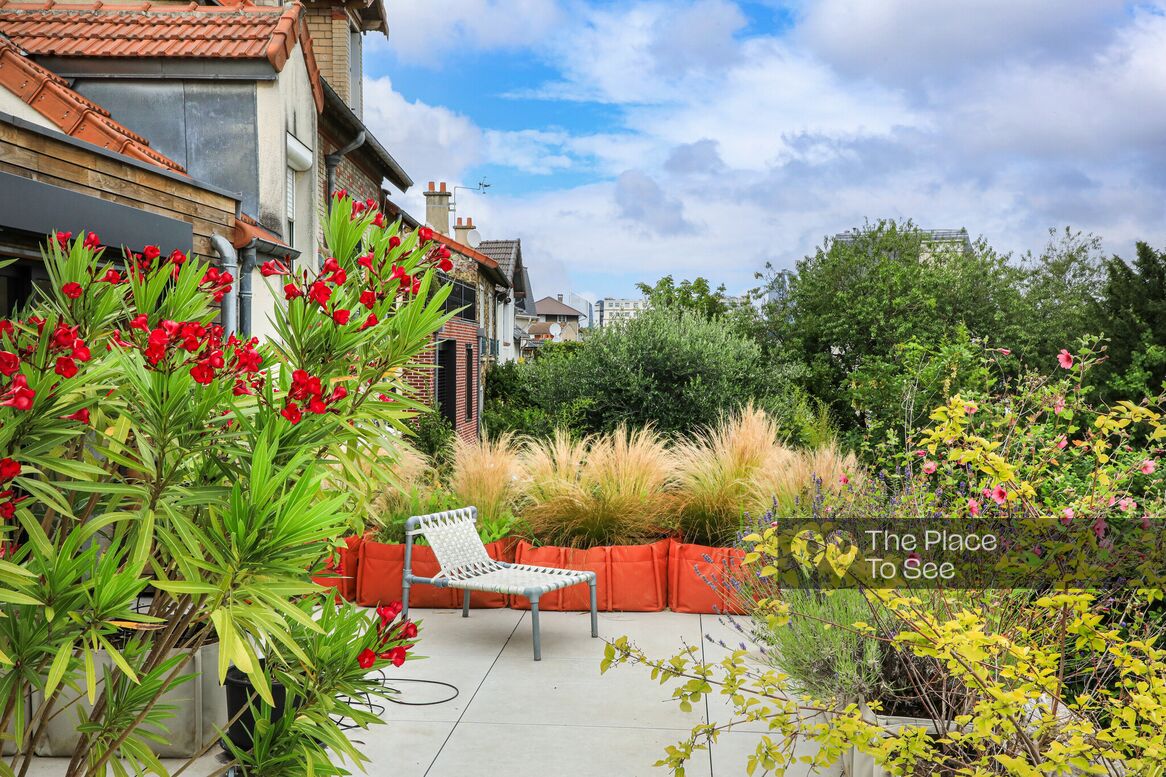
(676, 371)
(434, 436)
(609, 489)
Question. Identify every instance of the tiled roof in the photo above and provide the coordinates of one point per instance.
(145, 29)
(549, 306)
(73, 114)
(504, 252)
(248, 229)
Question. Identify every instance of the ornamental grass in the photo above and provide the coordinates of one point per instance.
(611, 489)
(486, 474)
(791, 475)
(717, 475)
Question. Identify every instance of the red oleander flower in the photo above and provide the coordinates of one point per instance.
(66, 367)
(6, 328)
(119, 341)
(291, 291)
(340, 277)
(247, 359)
(365, 260)
(92, 240)
(177, 257)
(341, 316)
(445, 265)
(9, 363)
(272, 267)
(424, 234)
(389, 611)
(72, 290)
(81, 415)
(317, 406)
(319, 293)
(358, 208)
(398, 274)
(368, 298)
(394, 242)
(330, 265)
(416, 287)
(8, 469)
(140, 321)
(112, 277)
(396, 655)
(19, 396)
(372, 320)
(150, 253)
(338, 394)
(63, 238)
(409, 630)
(202, 373)
(155, 353)
(379, 221)
(366, 659)
(64, 336)
(340, 194)
(291, 412)
(241, 388)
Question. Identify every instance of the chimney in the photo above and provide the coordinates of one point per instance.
(560, 296)
(437, 208)
(461, 232)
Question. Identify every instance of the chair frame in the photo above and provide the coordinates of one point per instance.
(463, 561)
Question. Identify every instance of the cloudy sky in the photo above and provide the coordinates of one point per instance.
(628, 139)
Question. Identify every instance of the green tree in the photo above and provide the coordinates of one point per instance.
(1062, 294)
(851, 306)
(696, 296)
(1134, 317)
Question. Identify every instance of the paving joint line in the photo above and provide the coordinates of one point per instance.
(475, 694)
(707, 711)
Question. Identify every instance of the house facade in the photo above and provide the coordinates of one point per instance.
(230, 94)
(513, 305)
(613, 310)
(462, 349)
(557, 321)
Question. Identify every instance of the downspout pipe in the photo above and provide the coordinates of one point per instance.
(245, 272)
(230, 261)
(332, 161)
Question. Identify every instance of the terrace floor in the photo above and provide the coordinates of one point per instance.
(516, 717)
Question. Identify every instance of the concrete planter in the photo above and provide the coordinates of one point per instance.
(199, 709)
(858, 764)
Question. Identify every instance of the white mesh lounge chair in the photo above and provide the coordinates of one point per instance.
(465, 564)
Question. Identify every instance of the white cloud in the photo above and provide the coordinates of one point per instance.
(733, 148)
(430, 142)
(422, 30)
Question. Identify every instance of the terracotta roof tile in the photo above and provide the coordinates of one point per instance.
(76, 116)
(97, 29)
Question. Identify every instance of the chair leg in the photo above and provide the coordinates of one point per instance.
(538, 647)
(594, 611)
(466, 604)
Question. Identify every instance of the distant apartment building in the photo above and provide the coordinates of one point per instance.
(613, 310)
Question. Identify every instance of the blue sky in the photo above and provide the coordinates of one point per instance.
(628, 140)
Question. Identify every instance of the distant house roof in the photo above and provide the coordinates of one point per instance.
(539, 328)
(526, 302)
(146, 30)
(338, 111)
(73, 114)
(549, 306)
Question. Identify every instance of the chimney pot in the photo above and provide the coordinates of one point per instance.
(442, 186)
(470, 221)
(432, 185)
(459, 221)
(560, 296)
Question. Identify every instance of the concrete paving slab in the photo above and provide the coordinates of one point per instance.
(558, 751)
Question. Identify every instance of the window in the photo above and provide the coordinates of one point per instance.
(291, 208)
(469, 382)
(462, 295)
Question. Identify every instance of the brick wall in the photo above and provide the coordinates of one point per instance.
(329, 29)
(465, 333)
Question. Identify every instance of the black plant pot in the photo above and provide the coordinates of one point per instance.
(240, 695)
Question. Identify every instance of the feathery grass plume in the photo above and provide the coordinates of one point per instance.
(790, 474)
(717, 472)
(611, 489)
(486, 475)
